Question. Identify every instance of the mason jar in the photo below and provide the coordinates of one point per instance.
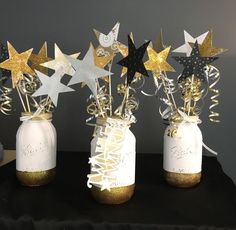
(36, 150)
(182, 154)
(114, 145)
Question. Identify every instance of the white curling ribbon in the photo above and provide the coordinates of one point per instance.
(35, 146)
(112, 156)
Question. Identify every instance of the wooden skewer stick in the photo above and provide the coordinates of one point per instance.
(21, 99)
(110, 101)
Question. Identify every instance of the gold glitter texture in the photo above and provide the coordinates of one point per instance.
(116, 195)
(17, 64)
(182, 180)
(157, 61)
(36, 178)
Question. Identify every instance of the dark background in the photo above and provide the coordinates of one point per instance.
(69, 23)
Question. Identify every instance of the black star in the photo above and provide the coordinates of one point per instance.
(133, 62)
(4, 74)
(194, 64)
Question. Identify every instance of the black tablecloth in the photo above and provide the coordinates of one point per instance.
(66, 203)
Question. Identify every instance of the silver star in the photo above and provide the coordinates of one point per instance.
(86, 71)
(60, 60)
(52, 86)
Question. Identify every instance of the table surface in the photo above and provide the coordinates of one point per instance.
(67, 204)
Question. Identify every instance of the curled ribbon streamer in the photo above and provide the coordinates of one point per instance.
(29, 84)
(5, 100)
(214, 76)
(104, 101)
(157, 87)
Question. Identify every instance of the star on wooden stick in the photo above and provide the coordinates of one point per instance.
(134, 61)
(17, 64)
(194, 65)
(157, 61)
(38, 59)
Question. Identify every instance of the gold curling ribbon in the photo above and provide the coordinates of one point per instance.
(5, 100)
(214, 75)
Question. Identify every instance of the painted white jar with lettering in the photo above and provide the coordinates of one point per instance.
(36, 151)
(122, 189)
(182, 154)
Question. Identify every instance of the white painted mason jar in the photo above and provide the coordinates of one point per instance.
(121, 188)
(36, 150)
(182, 154)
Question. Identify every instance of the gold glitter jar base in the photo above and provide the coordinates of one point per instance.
(182, 180)
(36, 178)
(117, 195)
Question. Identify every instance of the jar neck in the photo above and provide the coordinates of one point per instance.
(39, 117)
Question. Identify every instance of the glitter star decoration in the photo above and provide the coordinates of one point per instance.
(4, 74)
(38, 59)
(86, 71)
(194, 65)
(186, 48)
(60, 61)
(51, 86)
(134, 60)
(157, 61)
(108, 43)
(207, 49)
(17, 64)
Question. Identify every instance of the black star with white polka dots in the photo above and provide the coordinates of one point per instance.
(134, 61)
(4, 74)
(194, 64)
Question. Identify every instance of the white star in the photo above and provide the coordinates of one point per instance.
(51, 86)
(92, 161)
(60, 61)
(106, 184)
(86, 71)
(186, 48)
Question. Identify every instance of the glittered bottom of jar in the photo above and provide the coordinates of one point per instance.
(182, 180)
(36, 178)
(116, 195)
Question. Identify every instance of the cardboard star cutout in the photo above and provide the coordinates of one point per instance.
(194, 65)
(60, 61)
(108, 43)
(134, 60)
(17, 64)
(207, 49)
(38, 59)
(52, 86)
(186, 48)
(86, 71)
(157, 61)
(4, 74)
(124, 50)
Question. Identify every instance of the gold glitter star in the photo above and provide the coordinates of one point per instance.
(157, 61)
(17, 64)
(206, 49)
(40, 58)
